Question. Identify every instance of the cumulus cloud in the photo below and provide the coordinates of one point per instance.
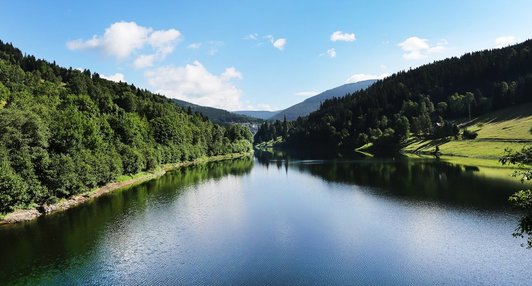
(505, 41)
(117, 77)
(163, 41)
(279, 43)
(343, 37)
(194, 83)
(231, 73)
(331, 53)
(306, 93)
(361, 76)
(123, 39)
(144, 61)
(416, 48)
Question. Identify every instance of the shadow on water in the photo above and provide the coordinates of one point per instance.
(411, 179)
(407, 178)
(33, 247)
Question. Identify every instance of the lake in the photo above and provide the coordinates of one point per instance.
(270, 220)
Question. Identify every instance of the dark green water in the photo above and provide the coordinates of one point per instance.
(273, 221)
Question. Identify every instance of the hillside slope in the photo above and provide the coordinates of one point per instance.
(311, 104)
(506, 128)
(424, 102)
(216, 114)
(64, 131)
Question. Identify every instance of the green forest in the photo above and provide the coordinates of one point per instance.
(423, 102)
(65, 131)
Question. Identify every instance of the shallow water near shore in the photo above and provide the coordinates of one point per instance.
(271, 220)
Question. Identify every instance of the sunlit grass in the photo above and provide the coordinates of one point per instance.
(505, 129)
(123, 178)
(478, 149)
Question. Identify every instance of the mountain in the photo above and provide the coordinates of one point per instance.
(313, 103)
(217, 115)
(425, 102)
(262, 114)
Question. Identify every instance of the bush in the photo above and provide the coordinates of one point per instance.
(13, 190)
(469, 135)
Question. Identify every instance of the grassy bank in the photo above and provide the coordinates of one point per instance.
(506, 129)
(122, 182)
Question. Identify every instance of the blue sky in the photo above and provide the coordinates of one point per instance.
(256, 54)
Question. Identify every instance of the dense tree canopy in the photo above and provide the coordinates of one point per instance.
(420, 101)
(65, 131)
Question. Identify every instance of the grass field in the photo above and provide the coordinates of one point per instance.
(507, 128)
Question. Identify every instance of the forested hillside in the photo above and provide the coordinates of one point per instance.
(261, 114)
(217, 115)
(423, 101)
(64, 131)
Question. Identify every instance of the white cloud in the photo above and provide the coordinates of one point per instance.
(252, 37)
(360, 77)
(231, 73)
(306, 93)
(123, 39)
(144, 61)
(344, 37)
(194, 83)
(79, 44)
(114, 77)
(383, 66)
(505, 41)
(212, 47)
(280, 43)
(163, 41)
(194, 46)
(331, 53)
(416, 48)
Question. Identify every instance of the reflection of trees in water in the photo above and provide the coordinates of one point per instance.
(76, 230)
(410, 178)
(214, 170)
(431, 180)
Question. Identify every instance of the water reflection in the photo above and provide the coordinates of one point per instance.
(413, 179)
(42, 245)
(279, 221)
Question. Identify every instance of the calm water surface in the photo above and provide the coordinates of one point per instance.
(273, 221)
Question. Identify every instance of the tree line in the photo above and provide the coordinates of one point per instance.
(422, 101)
(65, 131)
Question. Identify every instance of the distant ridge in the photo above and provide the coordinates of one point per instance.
(262, 114)
(216, 114)
(313, 103)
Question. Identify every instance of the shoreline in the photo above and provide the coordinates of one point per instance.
(26, 215)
